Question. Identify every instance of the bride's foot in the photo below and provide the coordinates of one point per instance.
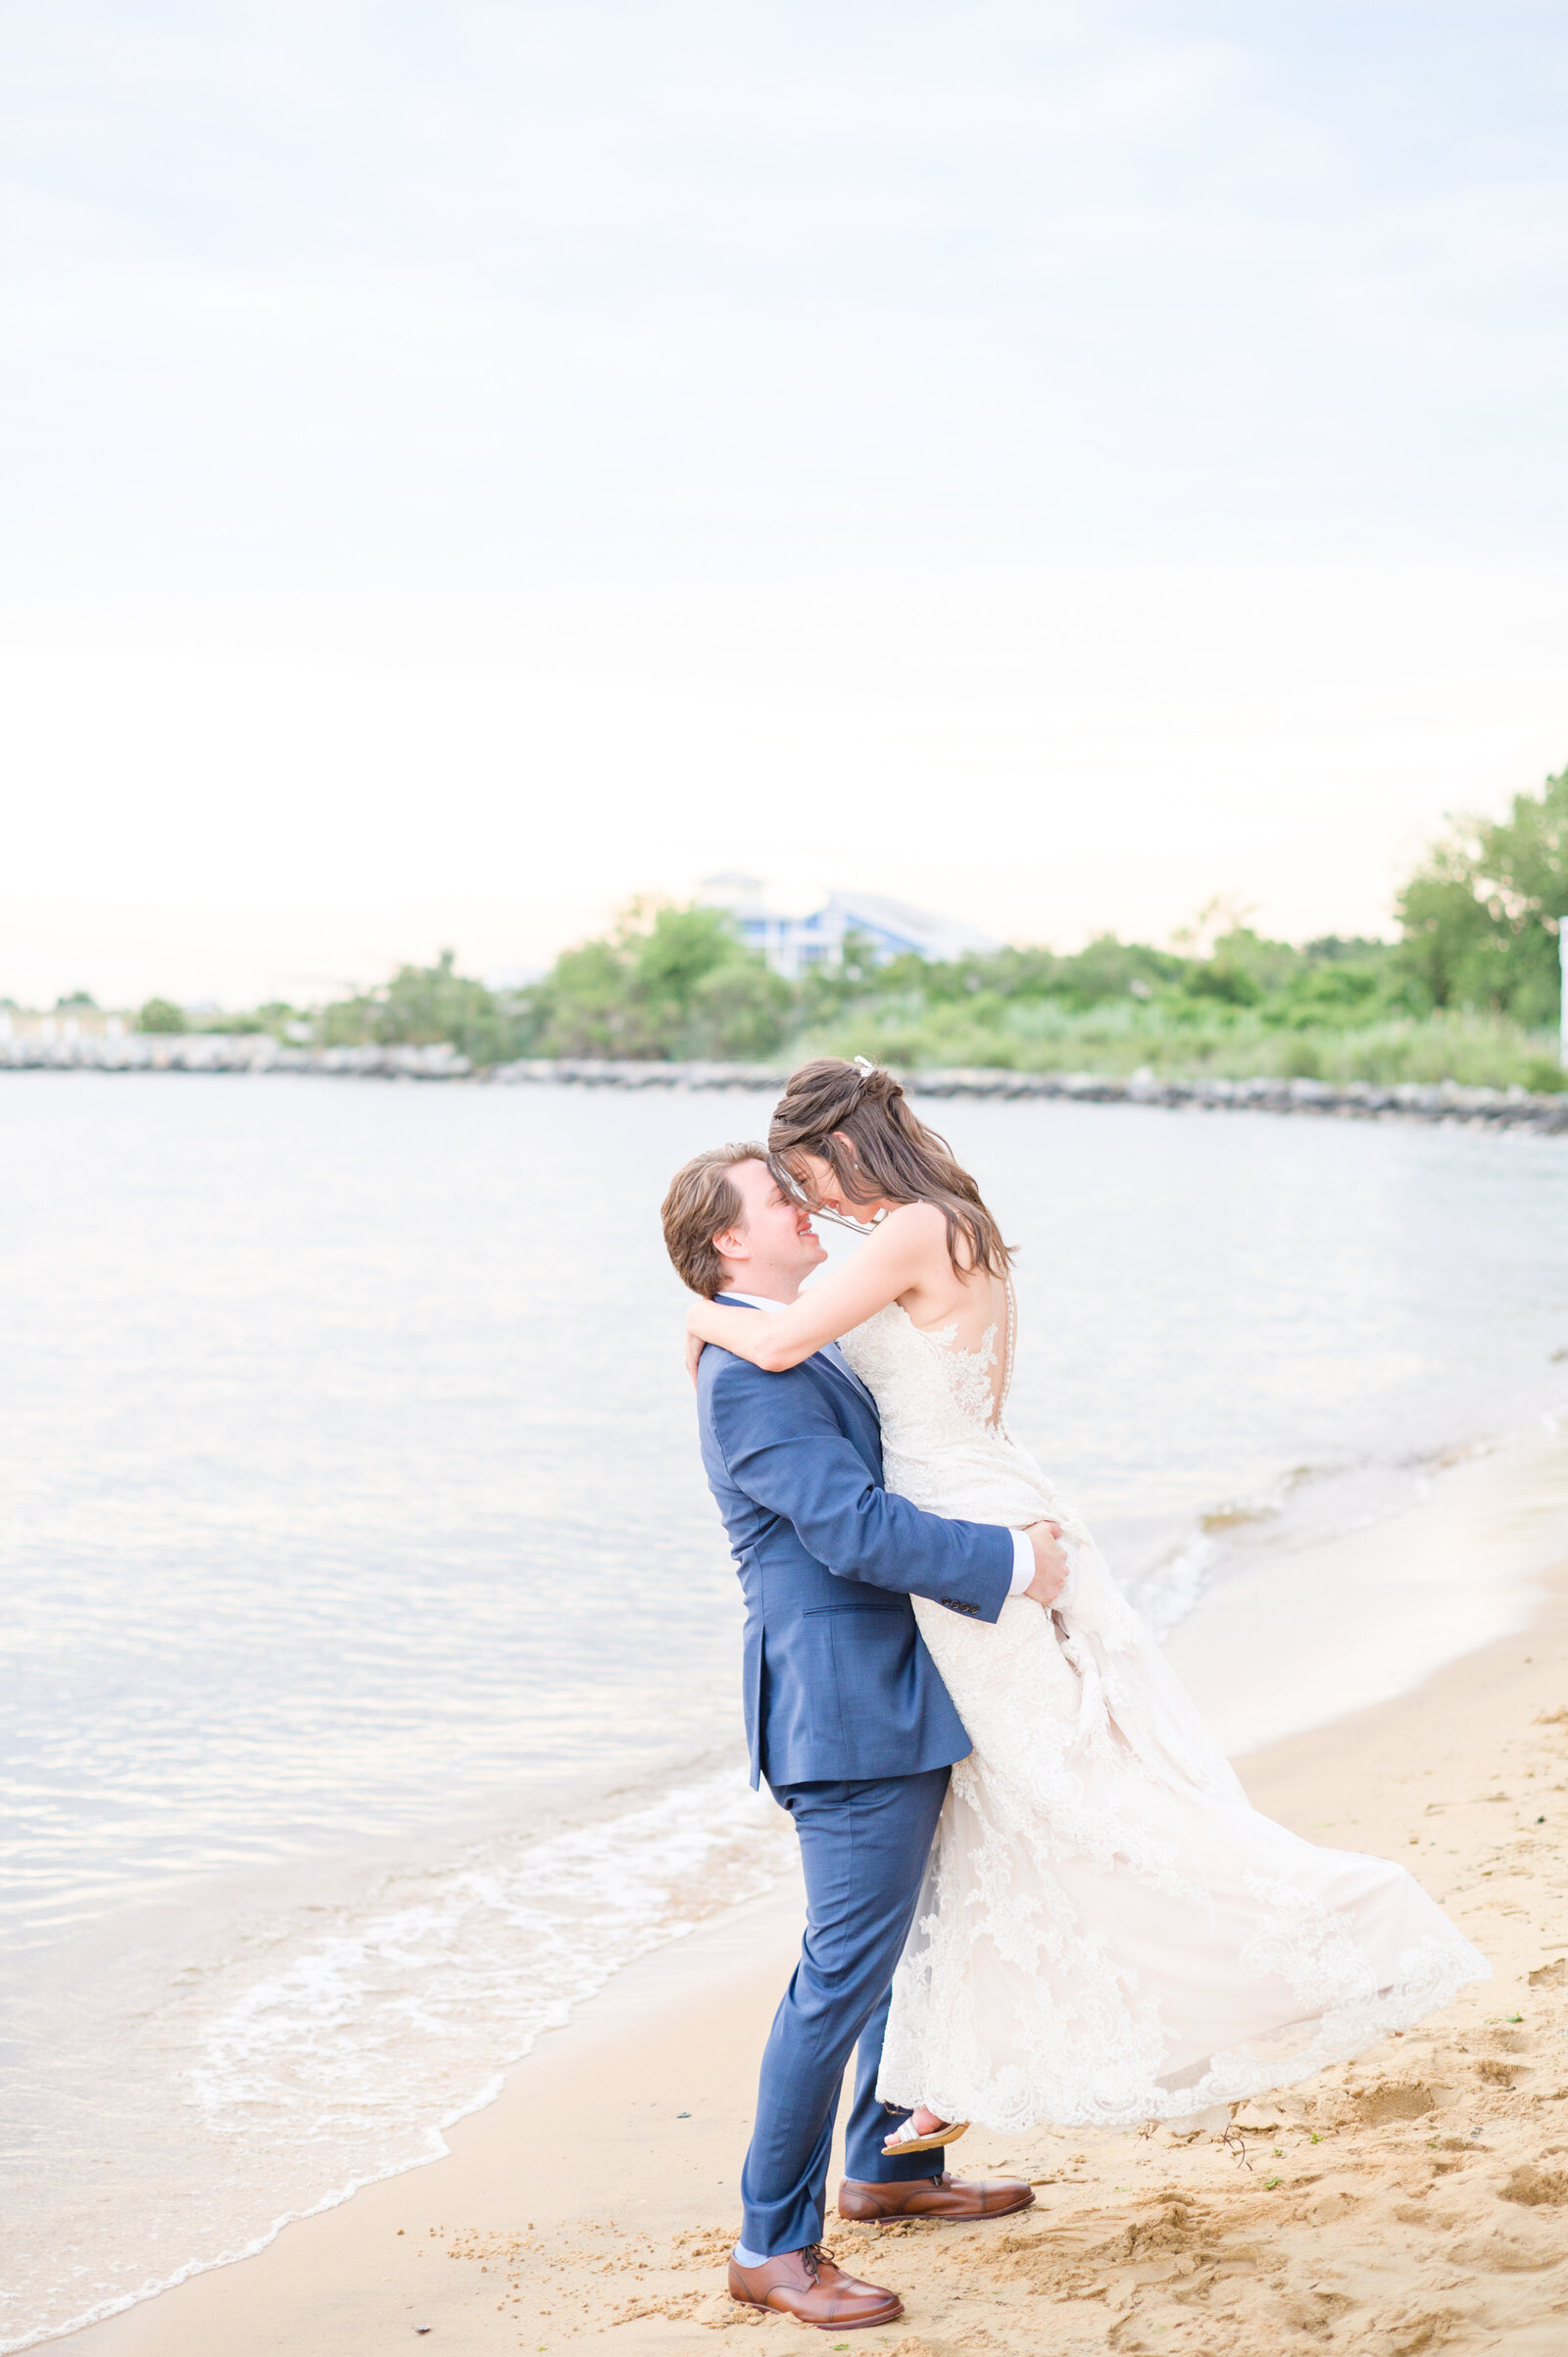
(922, 2132)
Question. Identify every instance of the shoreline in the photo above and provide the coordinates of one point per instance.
(1406, 1579)
(1511, 1499)
(590, 2203)
(1444, 1102)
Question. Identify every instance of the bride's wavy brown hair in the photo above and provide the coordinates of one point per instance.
(857, 1118)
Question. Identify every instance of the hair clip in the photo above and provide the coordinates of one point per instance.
(867, 1068)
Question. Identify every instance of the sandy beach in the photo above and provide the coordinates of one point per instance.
(1415, 2200)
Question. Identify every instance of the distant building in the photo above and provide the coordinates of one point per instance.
(72, 1019)
(792, 944)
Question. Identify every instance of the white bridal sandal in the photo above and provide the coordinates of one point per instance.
(904, 2140)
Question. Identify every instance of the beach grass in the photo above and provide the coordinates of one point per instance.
(1475, 1051)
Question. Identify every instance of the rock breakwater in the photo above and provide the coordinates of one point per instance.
(228, 1051)
(214, 1052)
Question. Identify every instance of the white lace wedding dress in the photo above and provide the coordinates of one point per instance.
(1110, 1933)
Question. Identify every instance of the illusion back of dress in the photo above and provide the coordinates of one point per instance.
(943, 1433)
(945, 1449)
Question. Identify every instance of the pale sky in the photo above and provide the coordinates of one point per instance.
(471, 462)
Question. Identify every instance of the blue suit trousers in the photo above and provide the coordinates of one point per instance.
(863, 1848)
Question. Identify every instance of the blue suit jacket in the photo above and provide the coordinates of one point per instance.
(837, 1678)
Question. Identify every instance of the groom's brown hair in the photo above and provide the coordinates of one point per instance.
(703, 1201)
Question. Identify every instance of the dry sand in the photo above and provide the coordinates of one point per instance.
(1417, 2201)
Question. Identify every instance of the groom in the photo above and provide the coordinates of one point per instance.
(848, 1719)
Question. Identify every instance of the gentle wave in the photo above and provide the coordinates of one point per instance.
(1305, 1507)
(464, 1964)
(333, 2044)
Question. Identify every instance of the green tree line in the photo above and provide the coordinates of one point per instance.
(1468, 990)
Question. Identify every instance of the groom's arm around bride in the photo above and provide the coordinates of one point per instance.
(846, 1718)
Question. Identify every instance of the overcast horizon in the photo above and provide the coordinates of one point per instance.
(1051, 466)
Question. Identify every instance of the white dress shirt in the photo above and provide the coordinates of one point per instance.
(1023, 1554)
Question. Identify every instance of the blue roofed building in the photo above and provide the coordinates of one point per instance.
(794, 944)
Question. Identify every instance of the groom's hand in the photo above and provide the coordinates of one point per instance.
(1052, 1566)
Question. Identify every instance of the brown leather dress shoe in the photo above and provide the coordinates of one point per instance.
(805, 2285)
(944, 2196)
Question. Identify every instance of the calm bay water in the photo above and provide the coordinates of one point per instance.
(371, 1690)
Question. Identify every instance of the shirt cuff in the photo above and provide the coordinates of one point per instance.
(1024, 1562)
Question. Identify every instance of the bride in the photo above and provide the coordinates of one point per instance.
(1108, 1932)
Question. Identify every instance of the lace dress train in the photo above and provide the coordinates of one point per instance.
(1109, 1932)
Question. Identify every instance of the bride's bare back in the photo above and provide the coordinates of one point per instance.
(967, 1308)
